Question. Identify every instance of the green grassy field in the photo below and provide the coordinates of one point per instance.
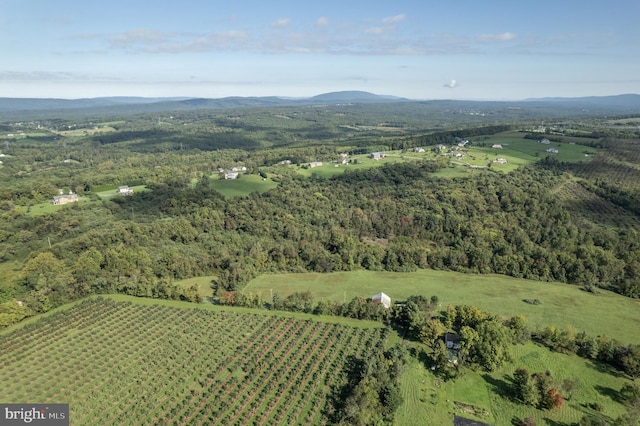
(203, 283)
(47, 207)
(329, 169)
(519, 152)
(486, 396)
(596, 384)
(244, 185)
(561, 304)
(113, 191)
(426, 399)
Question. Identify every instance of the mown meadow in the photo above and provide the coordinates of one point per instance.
(560, 305)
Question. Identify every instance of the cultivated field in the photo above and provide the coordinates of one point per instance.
(133, 363)
(561, 304)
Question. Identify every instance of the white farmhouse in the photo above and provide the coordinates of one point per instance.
(383, 299)
(125, 190)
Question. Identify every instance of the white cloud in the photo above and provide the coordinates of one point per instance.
(394, 19)
(452, 84)
(281, 23)
(138, 36)
(39, 75)
(346, 38)
(322, 22)
(377, 30)
(489, 38)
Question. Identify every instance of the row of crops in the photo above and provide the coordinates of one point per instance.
(125, 363)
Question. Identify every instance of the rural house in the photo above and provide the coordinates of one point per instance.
(231, 175)
(452, 340)
(65, 198)
(552, 151)
(377, 155)
(125, 190)
(496, 146)
(381, 298)
(315, 164)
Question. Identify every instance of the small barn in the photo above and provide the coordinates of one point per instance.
(383, 299)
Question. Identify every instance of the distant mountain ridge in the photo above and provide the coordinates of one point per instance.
(355, 96)
(30, 104)
(629, 99)
(34, 108)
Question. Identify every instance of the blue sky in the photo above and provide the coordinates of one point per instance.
(420, 49)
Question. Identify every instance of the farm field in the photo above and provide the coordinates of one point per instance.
(243, 186)
(129, 363)
(561, 304)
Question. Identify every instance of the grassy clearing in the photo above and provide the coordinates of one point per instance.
(596, 384)
(113, 191)
(87, 132)
(425, 397)
(203, 283)
(242, 186)
(488, 395)
(47, 207)
(561, 304)
(330, 169)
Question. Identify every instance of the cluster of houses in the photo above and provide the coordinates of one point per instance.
(455, 150)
